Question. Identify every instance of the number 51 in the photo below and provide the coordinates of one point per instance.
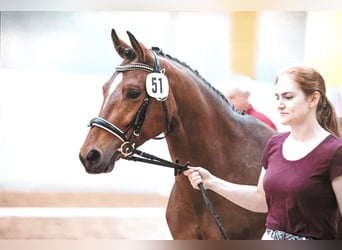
(155, 85)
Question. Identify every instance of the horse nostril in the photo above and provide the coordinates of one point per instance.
(93, 155)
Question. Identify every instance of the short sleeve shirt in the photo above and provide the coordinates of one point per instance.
(299, 194)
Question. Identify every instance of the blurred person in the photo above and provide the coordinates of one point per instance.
(300, 183)
(238, 95)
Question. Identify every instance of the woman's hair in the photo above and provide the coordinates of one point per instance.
(310, 80)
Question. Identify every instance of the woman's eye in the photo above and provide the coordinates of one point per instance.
(132, 94)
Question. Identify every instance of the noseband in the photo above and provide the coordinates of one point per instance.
(128, 144)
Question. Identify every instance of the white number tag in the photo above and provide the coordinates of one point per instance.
(157, 86)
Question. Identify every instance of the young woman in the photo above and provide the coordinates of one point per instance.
(300, 184)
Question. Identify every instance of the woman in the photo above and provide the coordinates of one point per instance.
(300, 184)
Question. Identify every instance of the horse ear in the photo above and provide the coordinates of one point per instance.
(122, 48)
(139, 48)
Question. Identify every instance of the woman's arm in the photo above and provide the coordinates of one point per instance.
(247, 196)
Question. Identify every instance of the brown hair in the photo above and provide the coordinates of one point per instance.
(310, 80)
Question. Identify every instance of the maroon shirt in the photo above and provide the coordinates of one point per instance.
(299, 194)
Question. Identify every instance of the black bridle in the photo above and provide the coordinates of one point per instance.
(128, 149)
(128, 144)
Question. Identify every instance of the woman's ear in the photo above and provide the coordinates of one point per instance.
(314, 99)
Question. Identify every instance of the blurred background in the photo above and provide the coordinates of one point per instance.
(53, 66)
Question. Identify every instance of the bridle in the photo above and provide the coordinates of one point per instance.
(128, 144)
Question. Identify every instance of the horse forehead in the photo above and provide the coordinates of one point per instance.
(112, 86)
(120, 79)
(135, 76)
(116, 81)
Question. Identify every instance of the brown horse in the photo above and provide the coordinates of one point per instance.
(200, 125)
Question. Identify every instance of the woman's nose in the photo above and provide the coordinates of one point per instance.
(279, 103)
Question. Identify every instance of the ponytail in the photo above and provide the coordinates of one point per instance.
(326, 116)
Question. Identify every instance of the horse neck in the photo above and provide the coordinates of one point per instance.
(203, 117)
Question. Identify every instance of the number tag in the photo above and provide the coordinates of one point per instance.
(157, 86)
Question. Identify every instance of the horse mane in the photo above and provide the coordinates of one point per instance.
(196, 73)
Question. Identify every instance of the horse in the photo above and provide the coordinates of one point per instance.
(200, 127)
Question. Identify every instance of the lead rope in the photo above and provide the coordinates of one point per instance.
(212, 210)
(151, 159)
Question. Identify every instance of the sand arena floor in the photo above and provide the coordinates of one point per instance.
(83, 216)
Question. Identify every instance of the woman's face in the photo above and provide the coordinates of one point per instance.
(292, 104)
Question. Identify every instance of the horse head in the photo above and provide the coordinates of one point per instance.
(134, 107)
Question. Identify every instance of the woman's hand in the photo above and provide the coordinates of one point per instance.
(197, 175)
(247, 196)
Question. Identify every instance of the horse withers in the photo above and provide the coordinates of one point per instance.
(151, 93)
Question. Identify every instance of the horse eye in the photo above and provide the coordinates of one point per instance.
(133, 94)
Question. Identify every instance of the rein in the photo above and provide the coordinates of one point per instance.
(128, 149)
(151, 159)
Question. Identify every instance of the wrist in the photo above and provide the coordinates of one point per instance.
(210, 183)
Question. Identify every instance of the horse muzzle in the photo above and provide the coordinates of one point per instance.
(95, 161)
